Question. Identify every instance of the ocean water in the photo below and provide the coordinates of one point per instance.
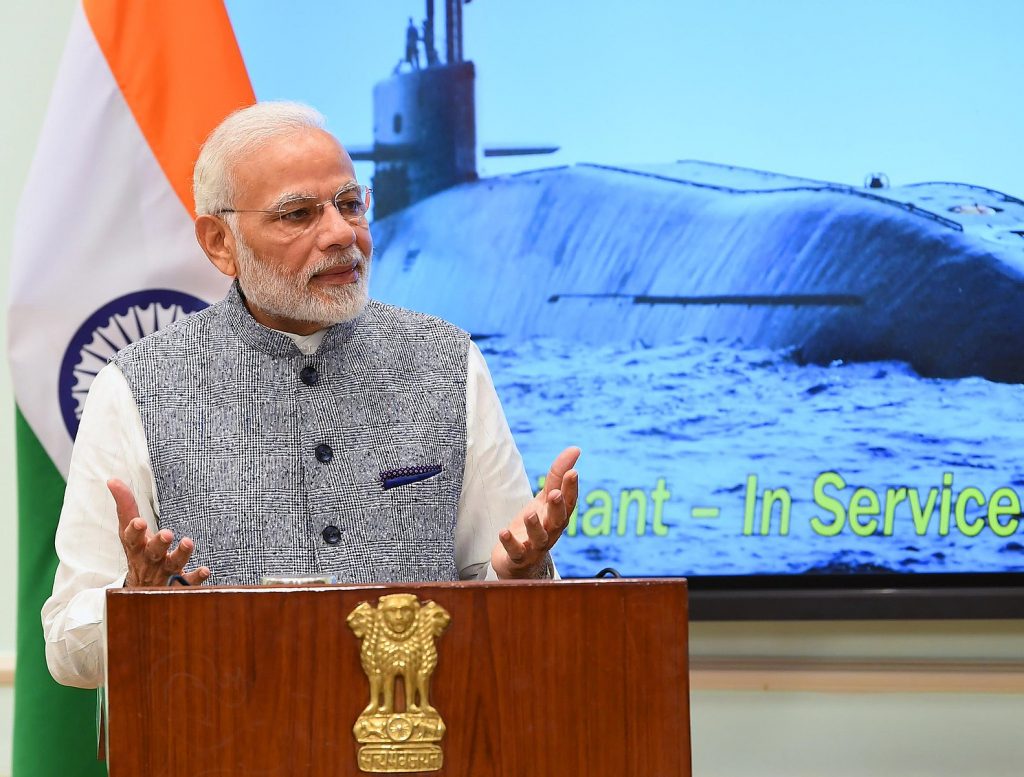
(703, 417)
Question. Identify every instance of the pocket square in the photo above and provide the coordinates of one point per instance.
(401, 477)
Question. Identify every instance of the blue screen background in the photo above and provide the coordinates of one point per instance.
(681, 416)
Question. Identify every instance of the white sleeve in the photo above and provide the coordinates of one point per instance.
(111, 443)
(494, 483)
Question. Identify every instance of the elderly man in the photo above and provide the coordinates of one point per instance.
(294, 428)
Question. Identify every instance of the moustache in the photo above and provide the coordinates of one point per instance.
(351, 257)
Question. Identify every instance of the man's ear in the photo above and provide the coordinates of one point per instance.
(218, 243)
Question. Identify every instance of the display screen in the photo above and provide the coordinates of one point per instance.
(762, 262)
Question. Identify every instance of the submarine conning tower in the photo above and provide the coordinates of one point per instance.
(424, 118)
(424, 135)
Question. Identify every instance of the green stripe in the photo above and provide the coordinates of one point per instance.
(54, 726)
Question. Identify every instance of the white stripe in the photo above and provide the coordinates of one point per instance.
(98, 219)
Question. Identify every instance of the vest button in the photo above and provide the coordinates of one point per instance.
(332, 535)
(309, 376)
(324, 454)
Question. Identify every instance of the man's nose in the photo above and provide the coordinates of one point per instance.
(334, 230)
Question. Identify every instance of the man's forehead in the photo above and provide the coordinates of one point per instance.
(304, 163)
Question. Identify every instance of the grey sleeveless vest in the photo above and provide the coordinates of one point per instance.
(346, 462)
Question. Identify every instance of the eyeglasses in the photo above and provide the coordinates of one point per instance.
(297, 215)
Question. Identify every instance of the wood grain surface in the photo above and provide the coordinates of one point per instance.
(543, 679)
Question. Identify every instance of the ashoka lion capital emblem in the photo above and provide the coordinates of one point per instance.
(398, 641)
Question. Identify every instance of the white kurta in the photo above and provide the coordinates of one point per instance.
(111, 443)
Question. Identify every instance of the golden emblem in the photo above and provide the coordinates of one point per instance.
(398, 642)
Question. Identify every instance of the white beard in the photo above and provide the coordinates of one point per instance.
(290, 297)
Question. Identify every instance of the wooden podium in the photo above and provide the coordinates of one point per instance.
(533, 679)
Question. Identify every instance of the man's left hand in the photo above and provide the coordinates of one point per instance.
(522, 549)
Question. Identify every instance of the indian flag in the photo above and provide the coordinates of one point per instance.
(104, 253)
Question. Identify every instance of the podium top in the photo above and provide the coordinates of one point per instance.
(678, 582)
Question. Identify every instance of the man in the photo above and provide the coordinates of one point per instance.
(295, 428)
(412, 45)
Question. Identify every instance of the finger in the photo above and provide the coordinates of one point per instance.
(197, 576)
(157, 546)
(535, 531)
(124, 499)
(515, 550)
(570, 492)
(561, 510)
(135, 536)
(554, 513)
(178, 558)
(563, 462)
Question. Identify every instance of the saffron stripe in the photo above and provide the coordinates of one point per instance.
(180, 70)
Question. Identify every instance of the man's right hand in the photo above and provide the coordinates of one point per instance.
(150, 558)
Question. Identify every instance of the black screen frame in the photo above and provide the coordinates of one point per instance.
(933, 596)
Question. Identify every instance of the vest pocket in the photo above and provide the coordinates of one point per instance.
(393, 478)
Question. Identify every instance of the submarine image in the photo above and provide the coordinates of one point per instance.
(930, 274)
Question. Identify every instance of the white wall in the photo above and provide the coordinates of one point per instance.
(893, 699)
(737, 733)
(32, 36)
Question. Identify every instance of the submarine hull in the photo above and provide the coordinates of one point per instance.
(598, 254)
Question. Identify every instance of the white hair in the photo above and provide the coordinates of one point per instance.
(240, 133)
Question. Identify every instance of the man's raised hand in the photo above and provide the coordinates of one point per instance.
(150, 558)
(522, 549)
